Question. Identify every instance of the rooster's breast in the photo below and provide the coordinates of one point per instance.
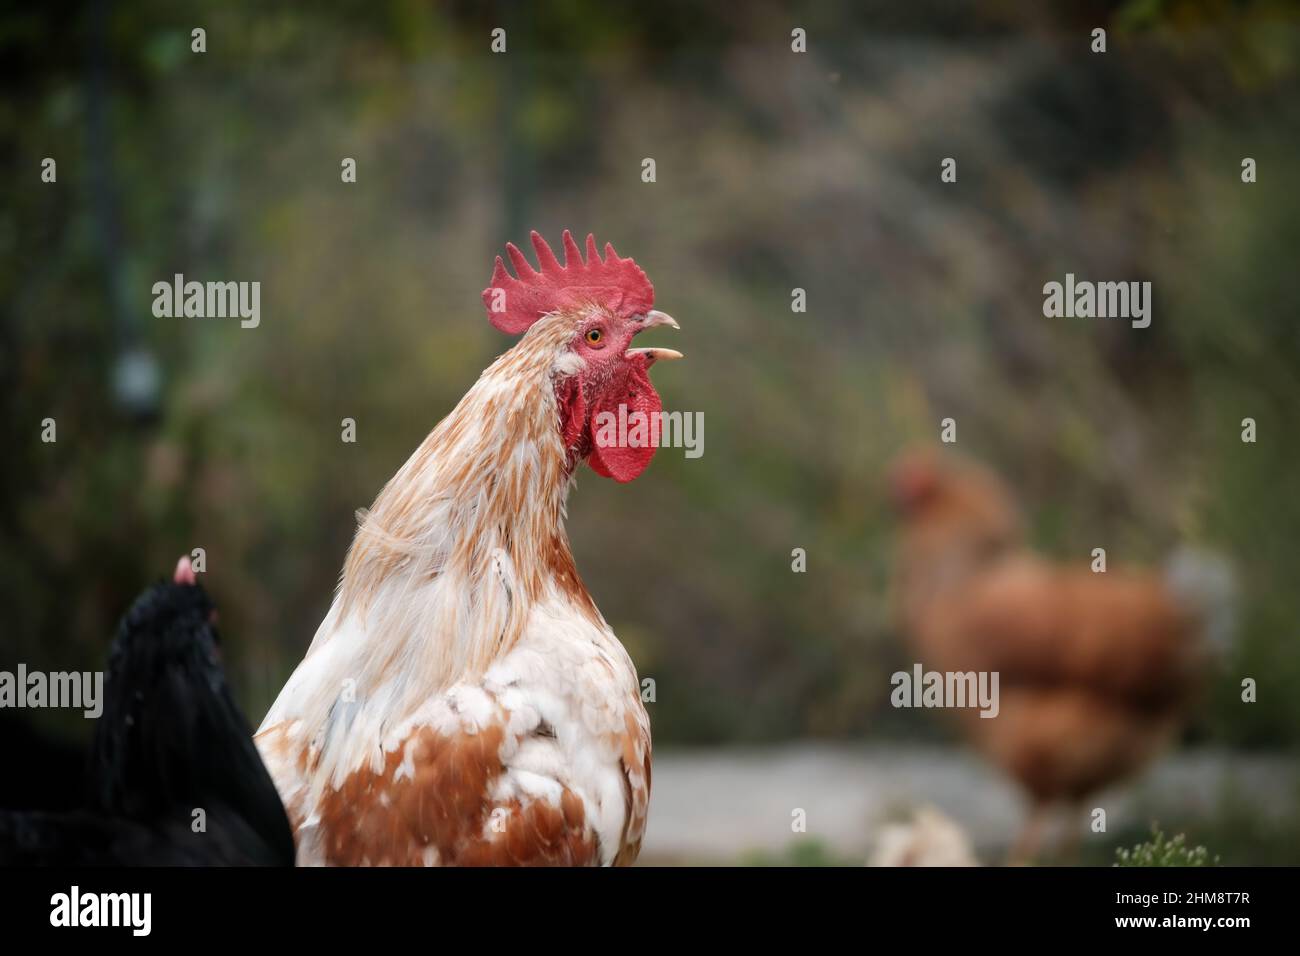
(542, 761)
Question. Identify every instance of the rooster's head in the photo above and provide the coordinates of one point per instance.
(585, 313)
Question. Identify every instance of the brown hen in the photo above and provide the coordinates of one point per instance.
(1096, 670)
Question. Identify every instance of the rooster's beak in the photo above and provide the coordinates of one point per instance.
(653, 319)
(653, 355)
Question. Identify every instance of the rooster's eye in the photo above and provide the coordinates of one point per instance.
(594, 336)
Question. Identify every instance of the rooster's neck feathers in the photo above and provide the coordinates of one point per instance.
(464, 541)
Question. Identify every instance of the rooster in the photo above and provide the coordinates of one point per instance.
(1096, 670)
(464, 702)
(170, 742)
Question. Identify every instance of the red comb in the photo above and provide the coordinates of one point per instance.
(515, 304)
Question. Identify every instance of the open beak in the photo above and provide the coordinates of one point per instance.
(653, 355)
(653, 319)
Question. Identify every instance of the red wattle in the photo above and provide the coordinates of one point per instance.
(621, 460)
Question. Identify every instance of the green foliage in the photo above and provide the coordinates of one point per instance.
(1162, 851)
(1248, 822)
(806, 852)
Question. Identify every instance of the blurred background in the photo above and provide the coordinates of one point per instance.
(774, 170)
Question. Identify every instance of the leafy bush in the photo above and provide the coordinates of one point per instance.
(1159, 851)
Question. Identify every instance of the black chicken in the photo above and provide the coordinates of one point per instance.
(174, 777)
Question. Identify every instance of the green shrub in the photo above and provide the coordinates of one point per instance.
(1159, 851)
